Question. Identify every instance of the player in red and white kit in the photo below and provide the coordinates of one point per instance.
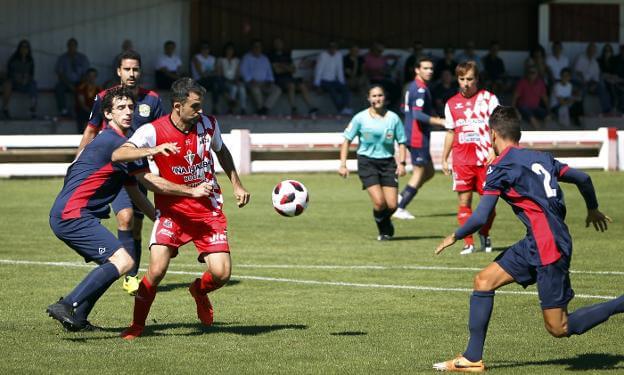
(190, 137)
(467, 115)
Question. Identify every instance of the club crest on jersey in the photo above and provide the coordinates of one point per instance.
(420, 102)
(167, 223)
(101, 250)
(144, 110)
(189, 157)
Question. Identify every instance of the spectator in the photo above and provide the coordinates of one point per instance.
(587, 73)
(556, 62)
(228, 67)
(258, 76)
(126, 45)
(619, 62)
(85, 96)
(537, 60)
(204, 71)
(469, 54)
(168, 66)
(494, 70)
(352, 63)
(410, 62)
(530, 98)
(284, 69)
(377, 70)
(608, 64)
(447, 62)
(563, 101)
(443, 90)
(20, 77)
(329, 76)
(70, 68)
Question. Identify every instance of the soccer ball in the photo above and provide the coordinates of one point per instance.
(290, 198)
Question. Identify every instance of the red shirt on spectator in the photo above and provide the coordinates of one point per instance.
(530, 92)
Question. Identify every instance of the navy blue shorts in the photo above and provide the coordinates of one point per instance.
(123, 201)
(87, 236)
(420, 156)
(553, 281)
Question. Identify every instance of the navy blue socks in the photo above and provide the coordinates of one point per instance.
(95, 284)
(586, 318)
(481, 304)
(407, 195)
(137, 258)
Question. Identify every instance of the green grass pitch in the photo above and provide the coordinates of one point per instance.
(315, 294)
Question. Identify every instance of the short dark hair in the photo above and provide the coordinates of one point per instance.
(129, 55)
(181, 88)
(565, 70)
(169, 43)
(375, 86)
(505, 121)
(422, 60)
(116, 92)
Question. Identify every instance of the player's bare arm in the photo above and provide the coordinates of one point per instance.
(402, 155)
(87, 136)
(159, 185)
(446, 151)
(227, 163)
(129, 152)
(343, 171)
(141, 201)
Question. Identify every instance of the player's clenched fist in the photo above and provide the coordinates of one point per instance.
(242, 196)
(202, 190)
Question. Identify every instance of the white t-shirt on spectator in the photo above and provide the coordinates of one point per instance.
(171, 63)
(229, 67)
(588, 67)
(329, 68)
(560, 90)
(556, 64)
(207, 63)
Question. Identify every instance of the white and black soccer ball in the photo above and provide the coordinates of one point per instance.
(290, 198)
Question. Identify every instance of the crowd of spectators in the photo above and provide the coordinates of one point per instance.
(552, 85)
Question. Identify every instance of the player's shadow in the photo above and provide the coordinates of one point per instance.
(349, 333)
(174, 286)
(415, 238)
(582, 362)
(442, 214)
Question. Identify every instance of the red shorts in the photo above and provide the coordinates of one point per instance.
(208, 234)
(469, 178)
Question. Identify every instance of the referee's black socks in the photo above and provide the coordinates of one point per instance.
(384, 222)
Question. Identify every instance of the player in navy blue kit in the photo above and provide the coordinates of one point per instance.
(91, 184)
(528, 181)
(419, 117)
(148, 107)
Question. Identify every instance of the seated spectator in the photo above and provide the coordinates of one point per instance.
(443, 90)
(258, 76)
(537, 60)
(228, 67)
(329, 76)
(85, 96)
(410, 63)
(494, 68)
(587, 74)
(168, 66)
(283, 70)
(469, 54)
(608, 64)
(447, 62)
(70, 68)
(377, 70)
(352, 63)
(204, 71)
(556, 62)
(20, 78)
(126, 45)
(530, 98)
(564, 102)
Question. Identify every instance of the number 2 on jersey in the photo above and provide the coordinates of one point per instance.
(540, 170)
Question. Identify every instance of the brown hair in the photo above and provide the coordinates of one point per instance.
(463, 68)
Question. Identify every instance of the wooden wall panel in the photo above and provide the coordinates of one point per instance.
(585, 22)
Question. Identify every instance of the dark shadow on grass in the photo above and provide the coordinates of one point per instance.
(445, 214)
(349, 333)
(582, 362)
(415, 238)
(173, 286)
(198, 329)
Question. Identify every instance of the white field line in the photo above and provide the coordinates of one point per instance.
(307, 282)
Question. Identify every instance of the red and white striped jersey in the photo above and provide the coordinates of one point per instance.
(469, 118)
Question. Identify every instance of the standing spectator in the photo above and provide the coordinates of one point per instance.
(608, 67)
(587, 72)
(556, 62)
(563, 100)
(410, 62)
(284, 69)
(204, 71)
(447, 62)
(329, 76)
(537, 60)
(442, 91)
(20, 77)
(168, 66)
(126, 46)
(85, 97)
(530, 98)
(469, 54)
(377, 70)
(352, 63)
(258, 76)
(70, 68)
(228, 67)
(494, 69)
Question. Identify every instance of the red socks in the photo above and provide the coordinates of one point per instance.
(143, 302)
(463, 213)
(207, 284)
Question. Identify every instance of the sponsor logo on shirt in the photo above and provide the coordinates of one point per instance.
(218, 238)
(166, 232)
(421, 90)
(459, 106)
(469, 137)
(420, 102)
(101, 250)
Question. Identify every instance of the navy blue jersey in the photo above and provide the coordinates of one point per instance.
(527, 180)
(93, 181)
(148, 107)
(418, 108)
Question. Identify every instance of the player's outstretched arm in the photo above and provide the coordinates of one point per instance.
(159, 185)
(141, 201)
(129, 152)
(227, 163)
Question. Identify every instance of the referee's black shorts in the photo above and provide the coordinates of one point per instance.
(377, 172)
